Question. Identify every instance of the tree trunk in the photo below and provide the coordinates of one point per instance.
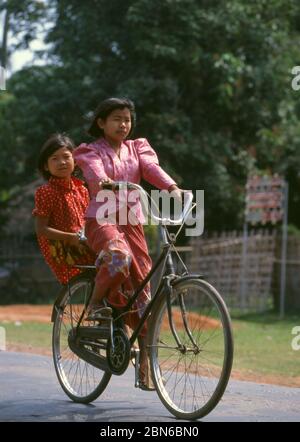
(4, 39)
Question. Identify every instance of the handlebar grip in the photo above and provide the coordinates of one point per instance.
(110, 186)
(118, 185)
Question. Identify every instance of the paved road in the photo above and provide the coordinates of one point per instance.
(29, 392)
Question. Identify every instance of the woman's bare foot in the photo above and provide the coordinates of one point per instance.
(99, 313)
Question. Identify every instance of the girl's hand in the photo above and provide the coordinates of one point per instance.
(74, 240)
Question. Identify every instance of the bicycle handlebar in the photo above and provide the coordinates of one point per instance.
(122, 185)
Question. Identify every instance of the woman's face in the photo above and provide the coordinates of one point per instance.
(61, 163)
(117, 125)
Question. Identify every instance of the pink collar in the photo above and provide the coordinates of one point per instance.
(102, 143)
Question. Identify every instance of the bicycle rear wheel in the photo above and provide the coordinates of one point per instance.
(191, 379)
(81, 381)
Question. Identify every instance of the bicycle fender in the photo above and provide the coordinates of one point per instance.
(63, 290)
(186, 278)
(57, 303)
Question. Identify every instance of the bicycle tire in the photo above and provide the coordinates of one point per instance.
(68, 366)
(200, 369)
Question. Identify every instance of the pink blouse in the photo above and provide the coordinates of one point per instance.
(138, 160)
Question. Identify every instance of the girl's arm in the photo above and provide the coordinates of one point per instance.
(42, 229)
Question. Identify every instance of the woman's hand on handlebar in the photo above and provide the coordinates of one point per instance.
(176, 192)
(105, 181)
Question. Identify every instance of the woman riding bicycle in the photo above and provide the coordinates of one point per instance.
(123, 259)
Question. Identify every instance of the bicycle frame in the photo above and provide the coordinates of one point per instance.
(164, 285)
(167, 275)
(165, 258)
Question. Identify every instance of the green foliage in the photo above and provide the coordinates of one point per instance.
(152, 236)
(25, 19)
(211, 81)
(293, 230)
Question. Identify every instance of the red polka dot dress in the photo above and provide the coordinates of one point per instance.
(64, 203)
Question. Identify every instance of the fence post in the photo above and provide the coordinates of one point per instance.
(244, 266)
(283, 252)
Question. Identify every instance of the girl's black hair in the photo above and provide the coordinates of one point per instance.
(105, 108)
(54, 142)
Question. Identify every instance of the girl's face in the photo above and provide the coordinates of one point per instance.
(60, 164)
(116, 126)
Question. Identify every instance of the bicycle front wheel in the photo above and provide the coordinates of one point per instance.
(81, 381)
(191, 372)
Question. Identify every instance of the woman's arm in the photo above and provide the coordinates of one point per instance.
(151, 170)
(42, 229)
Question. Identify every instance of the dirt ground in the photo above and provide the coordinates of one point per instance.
(26, 312)
(42, 313)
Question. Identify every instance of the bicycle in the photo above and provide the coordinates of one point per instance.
(189, 341)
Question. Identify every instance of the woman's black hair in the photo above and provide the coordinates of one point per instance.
(105, 108)
(54, 142)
